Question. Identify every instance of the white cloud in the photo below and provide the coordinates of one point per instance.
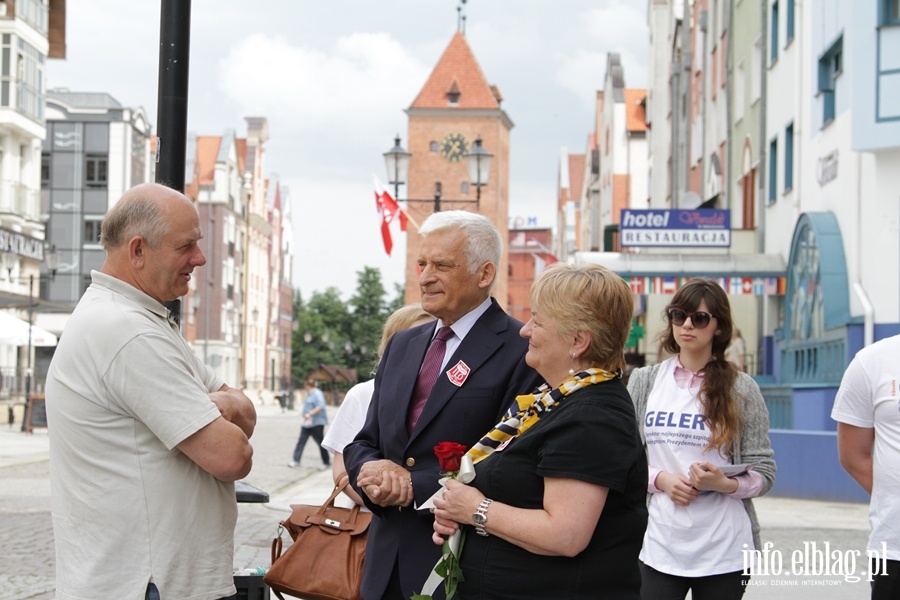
(364, 78)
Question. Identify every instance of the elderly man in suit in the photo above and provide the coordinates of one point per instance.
(448, 381)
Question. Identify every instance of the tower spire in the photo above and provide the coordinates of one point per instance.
(461, 17)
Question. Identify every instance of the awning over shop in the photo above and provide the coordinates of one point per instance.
(657, 273)
(14, 332)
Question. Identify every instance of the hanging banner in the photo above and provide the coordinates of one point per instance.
(701, 228)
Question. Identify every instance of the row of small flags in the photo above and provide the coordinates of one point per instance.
(736, 286)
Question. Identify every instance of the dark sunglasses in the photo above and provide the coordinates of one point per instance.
(699, 319)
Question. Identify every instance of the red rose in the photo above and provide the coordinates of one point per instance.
(449, 455)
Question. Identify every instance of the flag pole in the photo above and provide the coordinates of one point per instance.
(409, 219)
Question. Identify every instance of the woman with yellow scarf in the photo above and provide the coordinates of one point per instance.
(557, 507)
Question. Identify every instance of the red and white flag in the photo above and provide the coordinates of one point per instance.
(388, 209)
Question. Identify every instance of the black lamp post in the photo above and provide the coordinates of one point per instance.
(396, 161)
(51, 258)
(479, 166)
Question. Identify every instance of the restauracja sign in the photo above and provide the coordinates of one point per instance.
(16, 243)
(706, 228)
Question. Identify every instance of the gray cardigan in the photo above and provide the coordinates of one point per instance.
(753, 446)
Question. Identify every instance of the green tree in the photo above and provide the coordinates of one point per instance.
(369, 313)
(321, 325)
(399, 298)
(328, 330)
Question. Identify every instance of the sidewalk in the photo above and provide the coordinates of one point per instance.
(804, 531)
(20, 448)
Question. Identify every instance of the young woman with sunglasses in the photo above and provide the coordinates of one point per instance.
(698, 415)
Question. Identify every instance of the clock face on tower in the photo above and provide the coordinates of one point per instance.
(454, 146)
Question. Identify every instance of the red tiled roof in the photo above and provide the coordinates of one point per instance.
(207, 151)
(457, 68)
(576, 175)
(241, 149)
(634, 109)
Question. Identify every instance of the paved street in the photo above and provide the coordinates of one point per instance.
(26, 537)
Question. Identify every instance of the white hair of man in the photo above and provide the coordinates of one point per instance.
(484, 241)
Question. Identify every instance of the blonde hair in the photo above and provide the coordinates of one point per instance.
(591, 298)
(402, 318)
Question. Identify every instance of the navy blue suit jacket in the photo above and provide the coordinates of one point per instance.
(494, 352)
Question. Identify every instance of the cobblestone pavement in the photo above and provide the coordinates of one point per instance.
(26, 536)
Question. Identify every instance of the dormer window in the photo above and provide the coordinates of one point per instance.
(453, 94)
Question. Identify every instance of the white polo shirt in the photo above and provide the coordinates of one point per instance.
(123, 390)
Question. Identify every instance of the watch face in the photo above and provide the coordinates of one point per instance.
(479, 519)
(454, 147)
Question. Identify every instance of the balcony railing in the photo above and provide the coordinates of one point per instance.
(35, 13)
(17, 199)
(820, 361)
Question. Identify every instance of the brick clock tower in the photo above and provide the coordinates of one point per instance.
(454, 108)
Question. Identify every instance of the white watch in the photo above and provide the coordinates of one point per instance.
(480, 517)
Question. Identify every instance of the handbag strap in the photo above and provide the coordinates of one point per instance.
(354, 512)
(334, 494)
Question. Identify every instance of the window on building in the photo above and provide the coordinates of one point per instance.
(433, 147)
(789, 158)
(95, 174)
(7, 76)
(92, 231)
(830, 68)
(773, 34)
(889, 12)
(739, 77)
(45, 170)
(773, 170)
(789, 17)
(30, 80)
(756, 64)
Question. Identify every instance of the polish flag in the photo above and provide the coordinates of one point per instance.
(388, 209)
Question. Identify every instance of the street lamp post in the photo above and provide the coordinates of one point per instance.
(30, 323)
(397, 159)
(396, 162)
(50, 256)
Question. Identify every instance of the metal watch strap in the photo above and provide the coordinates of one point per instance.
(481, 512)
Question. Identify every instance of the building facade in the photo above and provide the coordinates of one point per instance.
(31, 31)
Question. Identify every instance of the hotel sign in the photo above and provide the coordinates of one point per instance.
(707, 228)
(16, 243)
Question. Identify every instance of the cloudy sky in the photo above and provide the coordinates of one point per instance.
(333, 78)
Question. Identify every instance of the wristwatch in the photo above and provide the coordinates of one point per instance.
(480, 517)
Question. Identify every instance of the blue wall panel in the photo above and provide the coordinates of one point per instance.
(808, 467)
(812, 409)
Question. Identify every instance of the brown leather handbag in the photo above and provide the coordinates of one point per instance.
(325, 562)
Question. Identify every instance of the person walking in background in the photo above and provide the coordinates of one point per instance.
(867, 409)
(559, 502)
(699, 415)
(445, 381)
(352, 413)
(314, 421)
(145, 440)
(737, 350)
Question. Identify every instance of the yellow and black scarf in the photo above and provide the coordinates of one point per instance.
(529, 408)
